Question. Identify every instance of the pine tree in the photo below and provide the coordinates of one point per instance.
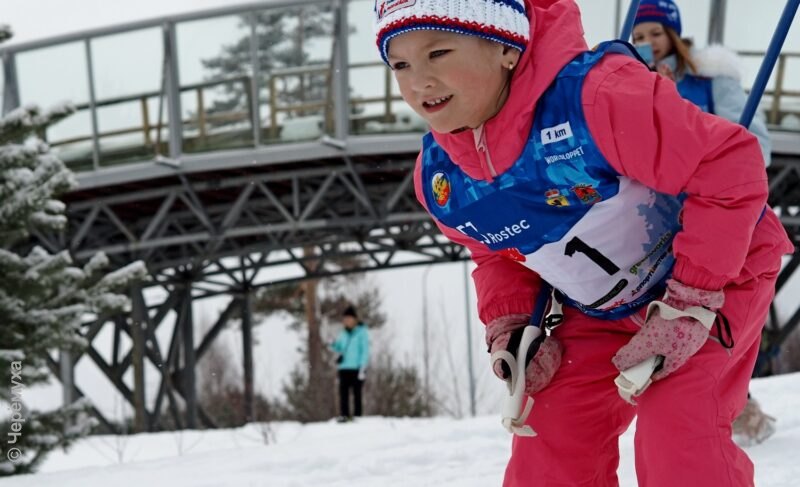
(281, 39)
(282, 36)
(44, 297)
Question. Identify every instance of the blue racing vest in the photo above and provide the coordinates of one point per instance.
(698, 91)
(603, 240)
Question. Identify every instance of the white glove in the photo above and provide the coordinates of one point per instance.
(362, 374)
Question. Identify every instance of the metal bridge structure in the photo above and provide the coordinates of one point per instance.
(225, 181)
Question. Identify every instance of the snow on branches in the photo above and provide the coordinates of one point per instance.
(45, 298)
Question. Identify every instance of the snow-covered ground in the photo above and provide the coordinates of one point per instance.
(371, 452)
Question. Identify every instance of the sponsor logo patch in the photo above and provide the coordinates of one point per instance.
(587, 194)
(555, 198)
(440, 185)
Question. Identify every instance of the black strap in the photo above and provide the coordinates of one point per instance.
(722, 322)
(551, 321)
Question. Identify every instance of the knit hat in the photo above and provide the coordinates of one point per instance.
(502, 21)
(662, 11)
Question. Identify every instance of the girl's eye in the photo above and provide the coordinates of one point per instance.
(399, 65)
(440, 52)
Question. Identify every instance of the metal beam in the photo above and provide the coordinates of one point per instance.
(215, 330)
(173, 92)
(247, 354)
(156, 22)
(188, 384)
(10, 83)
(716, 21)
(138, 322)
(92, 104)
(77, 393)
(341, 64)
(255, 78)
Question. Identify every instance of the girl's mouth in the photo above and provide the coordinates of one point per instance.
(436, 104)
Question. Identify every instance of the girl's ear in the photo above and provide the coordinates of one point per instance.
(510, 57)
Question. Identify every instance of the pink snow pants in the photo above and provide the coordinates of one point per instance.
(683, 430)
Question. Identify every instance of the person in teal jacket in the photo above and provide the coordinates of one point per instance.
(352, 349)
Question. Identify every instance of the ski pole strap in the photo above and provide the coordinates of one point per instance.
(633, 381)
(705, 316)
(555, 316)
(540, 305)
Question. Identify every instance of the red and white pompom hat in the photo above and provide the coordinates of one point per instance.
(503, 21)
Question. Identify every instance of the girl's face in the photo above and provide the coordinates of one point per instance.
(453, 81)
(653, 33)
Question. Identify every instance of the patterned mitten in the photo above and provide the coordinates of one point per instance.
(675, 328)
(544, 356)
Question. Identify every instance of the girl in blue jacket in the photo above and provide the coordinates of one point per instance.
(710, 78)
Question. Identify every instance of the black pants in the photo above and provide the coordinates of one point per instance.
(348, 379)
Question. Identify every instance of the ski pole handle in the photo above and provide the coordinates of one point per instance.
(514, 414)
(633, 381)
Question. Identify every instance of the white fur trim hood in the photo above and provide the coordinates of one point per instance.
(717, 60)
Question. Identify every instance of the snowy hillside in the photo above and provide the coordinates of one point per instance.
(371, 452)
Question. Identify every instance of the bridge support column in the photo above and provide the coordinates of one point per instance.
(188, 379)
(247, 346)
(138, 322)
(716, 22)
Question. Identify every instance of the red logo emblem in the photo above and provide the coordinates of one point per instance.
(513, 254)
(587, 194)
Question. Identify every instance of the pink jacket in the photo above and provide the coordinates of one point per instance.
(648, 133)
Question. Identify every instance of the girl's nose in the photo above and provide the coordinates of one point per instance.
(422, 81)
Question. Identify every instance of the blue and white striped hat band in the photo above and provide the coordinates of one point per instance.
(503, 21)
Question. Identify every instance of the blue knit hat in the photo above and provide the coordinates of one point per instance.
(662, 11)
(503, 21)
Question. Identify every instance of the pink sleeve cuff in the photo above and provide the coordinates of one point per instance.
(695, 276)
(506, 307)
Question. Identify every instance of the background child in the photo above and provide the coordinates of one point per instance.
(352, 349)
(551, 163)
(710, 78)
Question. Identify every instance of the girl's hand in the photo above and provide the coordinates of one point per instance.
(677, 327)
(666, 72)
(504, 333)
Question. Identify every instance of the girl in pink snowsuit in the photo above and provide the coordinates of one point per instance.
(582, 170)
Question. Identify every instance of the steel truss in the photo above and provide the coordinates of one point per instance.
(784, 187)
(223, 233)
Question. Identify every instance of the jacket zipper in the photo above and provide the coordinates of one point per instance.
(479, 136)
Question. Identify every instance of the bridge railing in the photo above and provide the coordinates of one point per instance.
(239, 77)
(781, 103)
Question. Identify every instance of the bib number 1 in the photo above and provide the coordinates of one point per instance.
(576, 245)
